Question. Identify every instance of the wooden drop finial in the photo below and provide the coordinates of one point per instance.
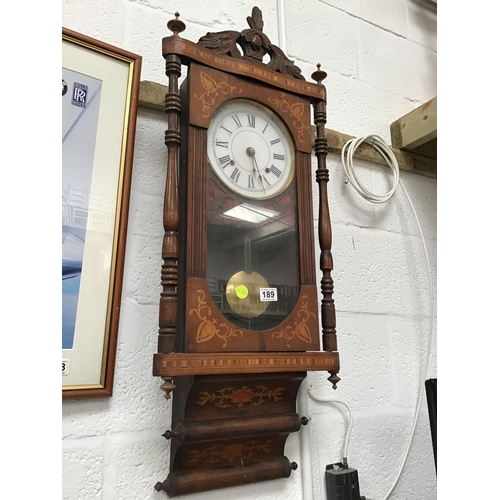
(168, 386)
(334, 379)
(176, 26)
(319, 75)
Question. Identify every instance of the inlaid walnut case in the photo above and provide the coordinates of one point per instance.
(239, 323)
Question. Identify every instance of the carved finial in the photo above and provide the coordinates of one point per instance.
(256, 22)
(176, 26)
(253, 41)
(319, 75)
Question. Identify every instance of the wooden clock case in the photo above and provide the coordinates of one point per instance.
(235, 390)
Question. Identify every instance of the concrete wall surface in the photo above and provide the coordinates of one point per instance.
(381, 63)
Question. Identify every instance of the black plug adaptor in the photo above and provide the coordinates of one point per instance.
(342, 482)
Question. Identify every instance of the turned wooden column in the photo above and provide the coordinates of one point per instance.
(328, 319)
(171, 210)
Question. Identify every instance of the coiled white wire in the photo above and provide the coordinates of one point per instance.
(347, 155)
(385, 151)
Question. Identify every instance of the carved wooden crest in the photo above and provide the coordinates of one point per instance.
(254, 44)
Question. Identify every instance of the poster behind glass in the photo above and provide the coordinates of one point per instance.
(81, 96)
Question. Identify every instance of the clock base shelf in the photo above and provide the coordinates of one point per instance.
(175, 364)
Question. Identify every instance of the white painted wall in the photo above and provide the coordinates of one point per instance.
(381, 63)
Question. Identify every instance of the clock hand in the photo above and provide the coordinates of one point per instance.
(255, 168)
(260, 176)
(251, 153)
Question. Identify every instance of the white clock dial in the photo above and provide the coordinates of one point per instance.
(250, 150)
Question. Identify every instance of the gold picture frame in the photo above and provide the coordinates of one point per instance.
(100, 89)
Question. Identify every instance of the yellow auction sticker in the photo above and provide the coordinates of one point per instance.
(242, 292)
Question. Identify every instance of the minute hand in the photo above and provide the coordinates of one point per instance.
(260, 176)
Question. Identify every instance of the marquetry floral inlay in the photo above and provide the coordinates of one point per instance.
(243, 396)
(212, 90)
(300, 328)
(207, 329)
(230, 452)
(295, 110)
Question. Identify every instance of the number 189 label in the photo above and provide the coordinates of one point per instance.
(268, 294)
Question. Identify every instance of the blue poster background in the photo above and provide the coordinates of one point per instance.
(80, 115)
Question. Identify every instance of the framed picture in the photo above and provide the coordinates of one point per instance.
(100, 87)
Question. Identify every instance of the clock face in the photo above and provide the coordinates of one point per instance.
(250, 150)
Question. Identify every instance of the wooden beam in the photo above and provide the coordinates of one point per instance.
(152, 96)
(408, 162)
(416, 127)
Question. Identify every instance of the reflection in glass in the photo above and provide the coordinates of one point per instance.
(252, 246)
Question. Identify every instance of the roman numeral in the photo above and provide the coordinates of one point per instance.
(222, 144)
(278, 157)
(235, 175)
(276, 171)
(251, 182)
(236, 120)
(267, 124)
(224, 161)
(276, 141)
(251, 120)
(226, 129)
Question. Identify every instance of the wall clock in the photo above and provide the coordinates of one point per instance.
(239, 322)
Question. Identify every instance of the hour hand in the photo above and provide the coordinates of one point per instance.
(255, 168)
(251, 153)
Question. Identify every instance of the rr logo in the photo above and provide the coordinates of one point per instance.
(79, 97)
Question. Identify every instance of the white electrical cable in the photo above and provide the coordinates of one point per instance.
(280, 8)
(427, 358)
(349, 428)
(347, 162)
(378, 143)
